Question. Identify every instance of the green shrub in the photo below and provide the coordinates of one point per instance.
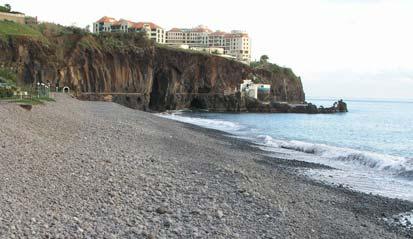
(6, 92)
(274, 68)
(8, 75)
(5, 8)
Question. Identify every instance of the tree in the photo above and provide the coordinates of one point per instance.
(264, 59)
(8, 7)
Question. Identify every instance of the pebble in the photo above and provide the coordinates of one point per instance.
(220, 214)
(161, 210)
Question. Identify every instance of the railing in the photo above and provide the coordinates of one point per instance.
(121, 93)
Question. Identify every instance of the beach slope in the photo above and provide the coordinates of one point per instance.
(73, 169)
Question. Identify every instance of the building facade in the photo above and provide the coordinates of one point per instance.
(236, 44)
(261, 92)
(195, 37)
(109, 24)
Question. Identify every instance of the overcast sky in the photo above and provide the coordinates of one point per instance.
(340, 48)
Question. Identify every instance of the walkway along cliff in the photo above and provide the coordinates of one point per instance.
(130, 70)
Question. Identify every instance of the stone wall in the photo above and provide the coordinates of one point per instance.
(19, 18)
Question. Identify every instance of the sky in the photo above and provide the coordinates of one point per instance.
(340, 48)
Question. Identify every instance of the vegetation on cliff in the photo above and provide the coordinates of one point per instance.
(5, 8)
(11, 29)
(264, 64)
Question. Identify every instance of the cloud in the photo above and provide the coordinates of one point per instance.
(390, 84)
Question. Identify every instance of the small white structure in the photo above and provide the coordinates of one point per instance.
(66, 89)
(183, 46)
(210, 50)
(248, 88)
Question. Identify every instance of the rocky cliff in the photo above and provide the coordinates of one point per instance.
(134, 72)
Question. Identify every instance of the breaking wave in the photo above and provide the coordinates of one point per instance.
(209, 123)
(398, 166)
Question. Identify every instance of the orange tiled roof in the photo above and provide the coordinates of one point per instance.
(123, 21)
(106, 19)
(175, 30)
(139, 25)
(201, 29)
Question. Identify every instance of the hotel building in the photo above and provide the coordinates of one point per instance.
(109, 24)
(235, 45)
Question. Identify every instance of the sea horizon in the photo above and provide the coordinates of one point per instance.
(332, 98)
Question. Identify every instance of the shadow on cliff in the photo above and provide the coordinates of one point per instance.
(157, 101)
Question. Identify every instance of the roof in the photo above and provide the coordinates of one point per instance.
(107, 19)
(233, 35)
(201, 29)
(218, 33)
(140, 25)
(123, 21)
(175, 30)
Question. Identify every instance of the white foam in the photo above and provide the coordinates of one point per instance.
(326, 154)
(405, 219)
(393, 164)
(208, 123)
(386, 175)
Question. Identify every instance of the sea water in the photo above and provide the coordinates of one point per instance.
(370, 147)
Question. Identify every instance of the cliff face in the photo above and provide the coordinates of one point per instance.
(138, 74)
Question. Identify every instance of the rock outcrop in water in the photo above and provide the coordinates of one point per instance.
(302, 108)
(129, 70)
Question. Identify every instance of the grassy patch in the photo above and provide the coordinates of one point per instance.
(8, 28)
(48, 99)
(33, 101)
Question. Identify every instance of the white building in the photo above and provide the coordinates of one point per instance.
(152, 30)
(256, 91)
(210, 50)
(195, 37)
(110, 24)
(236, 44)
(104, 24)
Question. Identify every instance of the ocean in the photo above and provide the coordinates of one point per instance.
(370, 147)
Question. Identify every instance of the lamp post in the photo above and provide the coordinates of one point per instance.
(38, 89)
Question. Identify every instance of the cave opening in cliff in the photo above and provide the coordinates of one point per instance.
(198, 104)
(158, 94)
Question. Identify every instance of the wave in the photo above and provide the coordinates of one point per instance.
(209, 123)
(399, 166)
(324, 154)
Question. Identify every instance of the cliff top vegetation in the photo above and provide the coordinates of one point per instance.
(9, 28)
(265, 64)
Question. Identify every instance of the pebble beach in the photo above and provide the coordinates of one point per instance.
(80, 169)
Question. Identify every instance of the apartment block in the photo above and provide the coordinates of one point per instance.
(109, 24)
(235, 45)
